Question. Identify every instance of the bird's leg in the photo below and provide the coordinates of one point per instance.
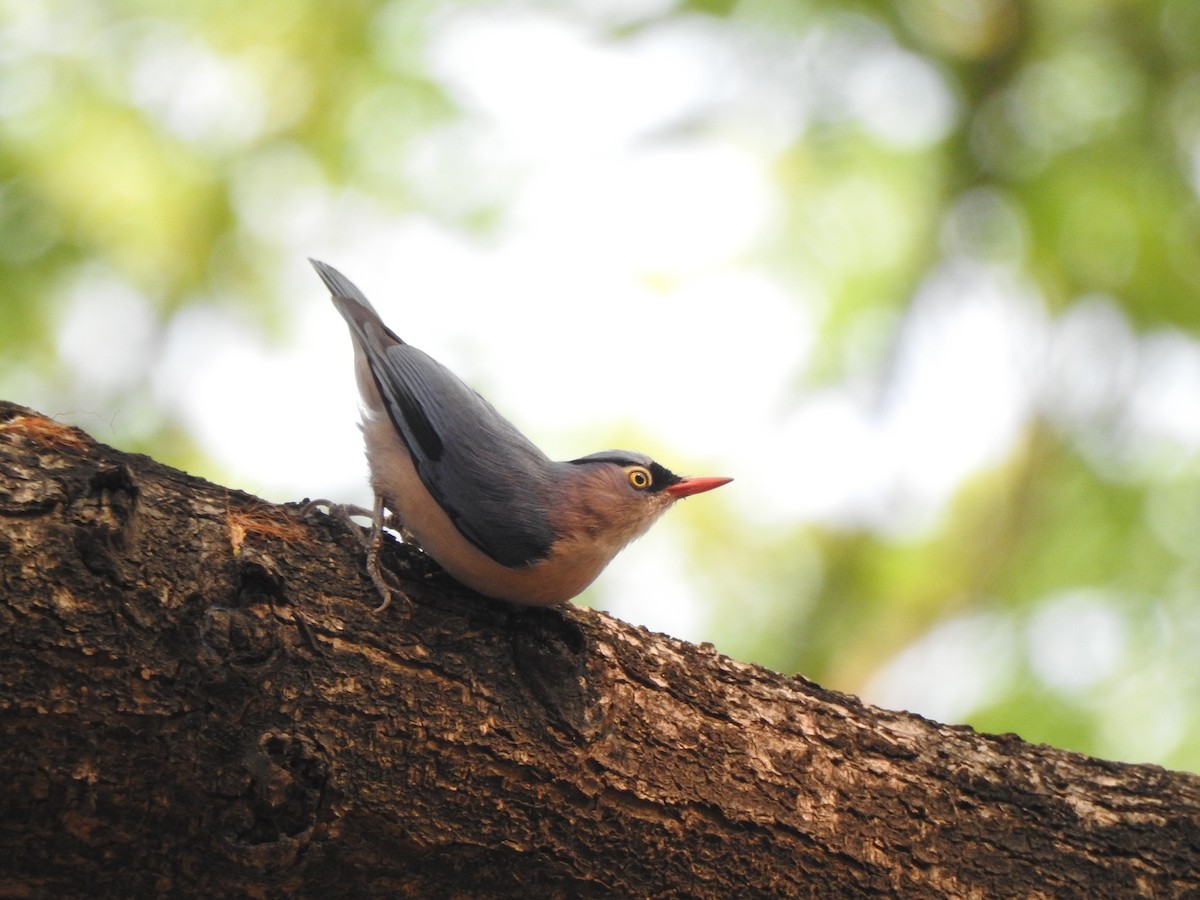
(346, 513)
(389, 520)
(343, 511)
(372, 543)
(407, 536)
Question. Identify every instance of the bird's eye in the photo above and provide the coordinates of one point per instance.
(639, 478)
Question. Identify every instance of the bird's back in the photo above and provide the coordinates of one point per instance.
(493, 482)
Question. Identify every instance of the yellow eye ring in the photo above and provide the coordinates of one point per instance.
(639, 478)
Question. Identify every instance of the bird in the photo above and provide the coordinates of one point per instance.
(472, 491)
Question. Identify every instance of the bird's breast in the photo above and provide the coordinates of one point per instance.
(570, 566)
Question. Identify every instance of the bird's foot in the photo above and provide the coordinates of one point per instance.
(372, 541)
(344, 511)
(407, 536)
(377, 572)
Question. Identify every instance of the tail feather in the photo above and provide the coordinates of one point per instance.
(339, 285)
(352, 303)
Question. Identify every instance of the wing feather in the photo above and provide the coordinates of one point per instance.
(492, 481)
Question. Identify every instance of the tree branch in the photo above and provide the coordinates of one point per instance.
(197, 698)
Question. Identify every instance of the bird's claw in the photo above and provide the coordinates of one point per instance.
(374, 569)
(372, 541)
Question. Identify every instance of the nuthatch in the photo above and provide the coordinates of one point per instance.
(476, 494)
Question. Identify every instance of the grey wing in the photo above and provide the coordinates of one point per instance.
(492, 481)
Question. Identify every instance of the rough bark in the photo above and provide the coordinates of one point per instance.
(198, 700)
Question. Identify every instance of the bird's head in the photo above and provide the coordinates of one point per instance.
(613, 496)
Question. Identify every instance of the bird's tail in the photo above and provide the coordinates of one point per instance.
(352, 303)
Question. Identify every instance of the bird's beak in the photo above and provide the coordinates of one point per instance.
(685, 487)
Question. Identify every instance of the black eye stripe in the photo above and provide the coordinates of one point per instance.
(660, 476)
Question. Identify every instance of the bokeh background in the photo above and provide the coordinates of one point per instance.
(923, 275)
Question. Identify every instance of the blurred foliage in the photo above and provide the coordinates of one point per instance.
(1055, 146)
